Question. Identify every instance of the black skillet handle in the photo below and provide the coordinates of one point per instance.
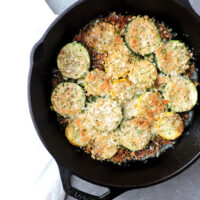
(66, 176)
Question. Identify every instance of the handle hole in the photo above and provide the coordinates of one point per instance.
(87, 187)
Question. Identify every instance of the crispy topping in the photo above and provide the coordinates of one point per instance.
(126, 117)
(165, 33)
(181, 94)
(142, 35)
(68, 99)
(97, 83)
(173, 57)
(143, 74)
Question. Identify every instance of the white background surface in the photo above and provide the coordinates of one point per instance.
(27, 171)
(24, 160)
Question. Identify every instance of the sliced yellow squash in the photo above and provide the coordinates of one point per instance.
(168, 125)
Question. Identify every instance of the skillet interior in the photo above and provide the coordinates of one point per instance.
(44, 59)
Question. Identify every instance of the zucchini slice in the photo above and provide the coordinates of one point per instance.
(130, 108)
(135, 134)
(73, 60)
(105, 145)
(173, 57)
(97, 83)
(103, 37)
(142, 36)
(78, 132)
(150, 105)
(118, 63)
(143, 74)
(168, 125)
(105, 114)
(181, 94)
(122, 90)
(68, 99)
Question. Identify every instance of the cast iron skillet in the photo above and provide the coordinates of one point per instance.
(117, 178)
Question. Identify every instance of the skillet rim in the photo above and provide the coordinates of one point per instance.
(34, 50)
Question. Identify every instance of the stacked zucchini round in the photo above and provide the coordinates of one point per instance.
(132, 99)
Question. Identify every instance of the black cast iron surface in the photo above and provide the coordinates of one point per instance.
(184, 186)
(44, 59)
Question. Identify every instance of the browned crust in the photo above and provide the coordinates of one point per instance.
(119, 21)
(165, 33)
(97, 61)
(62, 121)
(152, 150)
(56, 78)
(124, 155)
